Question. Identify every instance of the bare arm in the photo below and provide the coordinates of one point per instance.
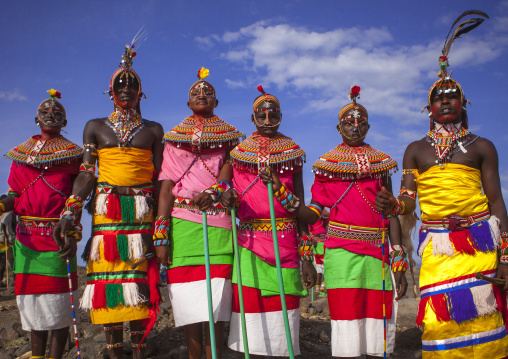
(492, 184)
(166, 200)
(157, 153)
(385, 200)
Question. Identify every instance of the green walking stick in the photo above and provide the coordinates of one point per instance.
(239, 280)
(279, 271)
(209, 287)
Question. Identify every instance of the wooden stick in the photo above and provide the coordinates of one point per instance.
(146, 257)
(211, 322)
(78, 354)
(384, 304)
(496, 281)
(239, 281)
(279, 271)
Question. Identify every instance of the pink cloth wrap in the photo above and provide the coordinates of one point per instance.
(39, 199)
(254, 205)
(353, 210)
(176, 161)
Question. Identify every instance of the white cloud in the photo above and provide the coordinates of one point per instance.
(235, 84)
(393, 77)
(12, 96)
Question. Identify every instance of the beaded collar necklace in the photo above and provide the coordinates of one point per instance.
(445, 141)
(280, 152)
(346, 162)
(45, 153)
(126, 124)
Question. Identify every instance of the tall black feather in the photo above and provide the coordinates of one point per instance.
(462, 29)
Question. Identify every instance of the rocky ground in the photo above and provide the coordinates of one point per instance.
(166, 341)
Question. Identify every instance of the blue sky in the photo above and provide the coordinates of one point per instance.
(306, 53)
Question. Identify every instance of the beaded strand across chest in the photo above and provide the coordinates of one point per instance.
(125, 124)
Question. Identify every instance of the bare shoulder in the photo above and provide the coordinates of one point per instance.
(154, 126)
(415, 147)
(95, 124)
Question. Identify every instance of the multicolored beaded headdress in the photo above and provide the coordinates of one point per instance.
(264, 97)
(200, 85)
(125, 70)
(53, 95)
(445, 84)
(353, 94)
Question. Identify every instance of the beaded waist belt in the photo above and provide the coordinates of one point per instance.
(28, 224)
(347, 231)
(186, 203)
(457, 221)
(145, 189)
(266, 224)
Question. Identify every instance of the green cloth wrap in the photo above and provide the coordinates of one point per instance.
(260, 275)
(188, 246)
(345, 269)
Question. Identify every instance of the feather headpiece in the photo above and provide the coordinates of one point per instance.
(445, 84)
(128, 55)
(353, 94)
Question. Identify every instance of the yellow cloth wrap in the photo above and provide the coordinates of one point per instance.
(125, 166)
(450, 189)
(440, 268)
(121, 313)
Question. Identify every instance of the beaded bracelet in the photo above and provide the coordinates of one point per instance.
(72, 208)
(399, 208)
(503, 251)
(12, 193)
(305, 247)
(398, 260)
(316, 208)
(2, 208)
(288, 200)
(86, 167)
(161, 231)
(408, 193)
(217, 190)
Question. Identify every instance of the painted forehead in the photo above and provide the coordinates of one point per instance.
(266, 102)
(198, 85)
(352, 111)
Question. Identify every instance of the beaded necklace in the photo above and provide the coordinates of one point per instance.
(346, 162)
(45, 153)
(446, 146)
(126, 124)
(208, 134)
(280, 152)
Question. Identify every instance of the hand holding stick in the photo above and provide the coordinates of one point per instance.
(496, 281)
(147, 256)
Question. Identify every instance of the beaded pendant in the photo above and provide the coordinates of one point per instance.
(446, 145)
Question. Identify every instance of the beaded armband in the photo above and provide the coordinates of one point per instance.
(2, 208)
(305, 247)
(86, 167)
(399, 208)
(503, 251)
(71, 211)
(72, 208)
(12, 193)
(398, 259)
(288, 200)
(161, 231)
(316, 208)
(406, 171)
(217, 190)
(408, 193)
(90, 147)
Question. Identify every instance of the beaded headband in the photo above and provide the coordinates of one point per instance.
(353, 94)
(202, 74)
(264, 98)
(53, 95)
